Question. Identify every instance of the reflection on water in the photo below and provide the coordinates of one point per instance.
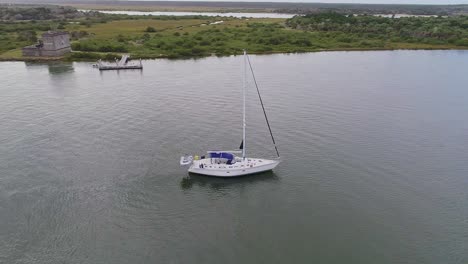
(218, 183)
(54, 67)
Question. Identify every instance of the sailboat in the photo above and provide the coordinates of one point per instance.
(227, 163)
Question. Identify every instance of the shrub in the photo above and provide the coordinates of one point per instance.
(120, 38)
(204, 43)
(29, 36)
(112, 48)
(85, 55)
(150, 29)
(462, 42)
(146, 37)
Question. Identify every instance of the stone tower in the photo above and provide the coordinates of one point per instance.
(53, 44)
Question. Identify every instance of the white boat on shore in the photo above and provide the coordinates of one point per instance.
(226, 163)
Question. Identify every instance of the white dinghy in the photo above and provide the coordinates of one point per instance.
(186, 160)
(226, 163)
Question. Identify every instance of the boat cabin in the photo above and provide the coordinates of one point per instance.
(222, 158)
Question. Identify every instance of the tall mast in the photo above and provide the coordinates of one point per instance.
(243, 114)
(263, 107)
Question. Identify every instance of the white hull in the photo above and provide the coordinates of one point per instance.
(241, 168)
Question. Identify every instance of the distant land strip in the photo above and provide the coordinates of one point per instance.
(279, 7)
(95, 35)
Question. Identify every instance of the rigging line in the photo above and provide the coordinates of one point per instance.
(263, 107)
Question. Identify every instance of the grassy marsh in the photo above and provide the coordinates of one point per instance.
(107, 36)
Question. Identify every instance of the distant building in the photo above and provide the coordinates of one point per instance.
(53, 44)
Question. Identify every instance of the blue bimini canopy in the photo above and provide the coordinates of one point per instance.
(222, 155)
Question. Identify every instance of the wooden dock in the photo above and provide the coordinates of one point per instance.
(123, 64)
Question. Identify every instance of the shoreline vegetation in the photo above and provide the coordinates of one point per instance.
(97, 36)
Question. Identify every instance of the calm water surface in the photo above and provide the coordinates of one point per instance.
(374, 146)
